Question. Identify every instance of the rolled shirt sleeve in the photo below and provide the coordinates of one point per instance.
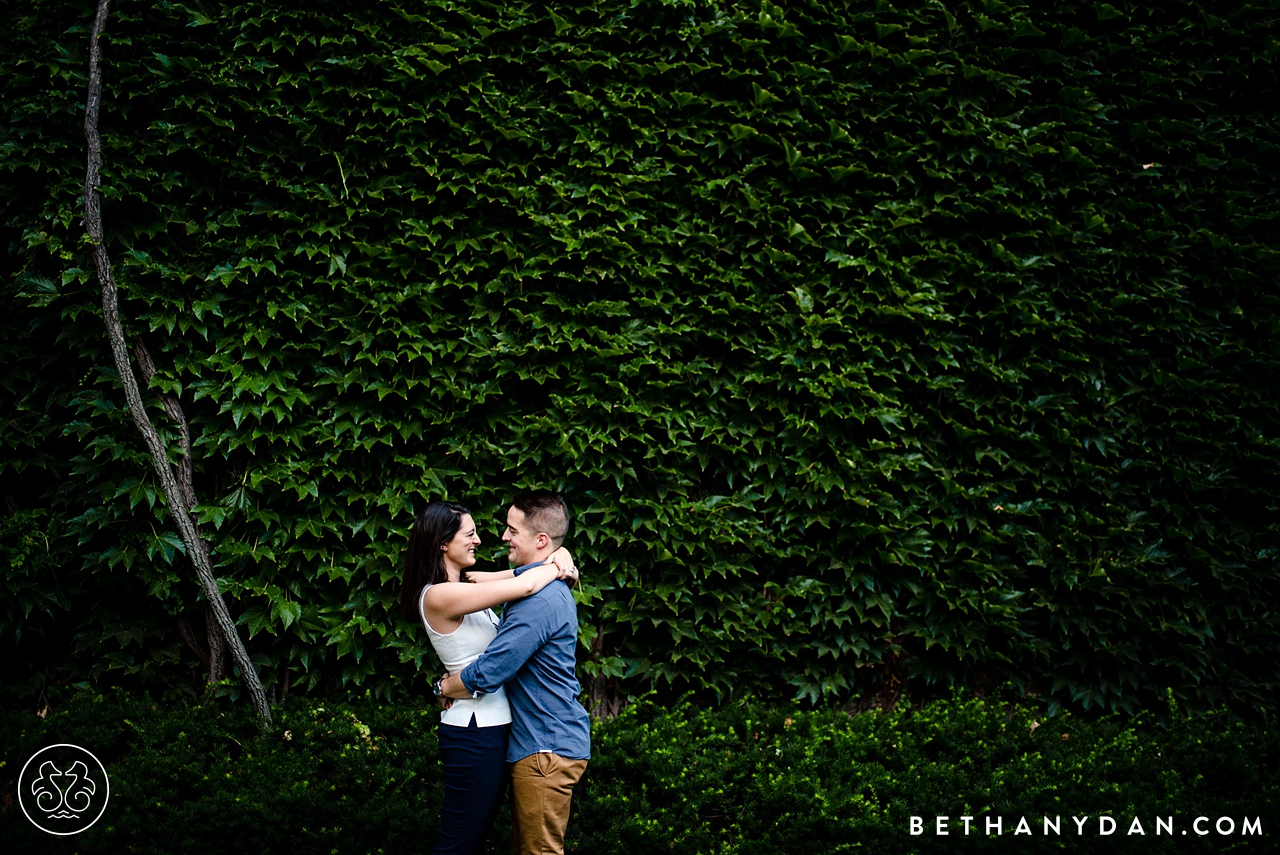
(519, 637)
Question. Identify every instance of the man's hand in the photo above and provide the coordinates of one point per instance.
(451, 686)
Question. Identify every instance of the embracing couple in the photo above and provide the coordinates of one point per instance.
(514, 713)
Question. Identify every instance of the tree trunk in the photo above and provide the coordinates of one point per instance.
(604, 694)
(179, 507)
(211, 652)
(217, 650)
(188, 635)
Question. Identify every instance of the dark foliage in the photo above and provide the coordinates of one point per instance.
(864, 340)
(741, 778)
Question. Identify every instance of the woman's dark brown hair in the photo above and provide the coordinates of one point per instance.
(423, 561)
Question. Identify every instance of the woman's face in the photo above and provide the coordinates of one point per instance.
(460, 552)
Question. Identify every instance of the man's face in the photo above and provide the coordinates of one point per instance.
(522, 542)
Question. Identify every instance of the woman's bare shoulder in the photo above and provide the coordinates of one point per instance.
(441, 590)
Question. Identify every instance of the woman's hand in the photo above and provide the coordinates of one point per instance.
(565, 569)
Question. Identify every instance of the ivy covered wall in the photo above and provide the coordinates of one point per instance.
(866, 341)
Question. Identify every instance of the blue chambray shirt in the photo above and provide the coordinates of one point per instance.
(533, 655)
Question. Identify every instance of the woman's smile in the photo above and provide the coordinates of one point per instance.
(461, 550)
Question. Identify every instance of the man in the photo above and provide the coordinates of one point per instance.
(533, 656)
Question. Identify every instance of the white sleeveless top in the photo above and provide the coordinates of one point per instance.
(457, 650)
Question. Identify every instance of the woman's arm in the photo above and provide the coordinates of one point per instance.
(488, 575)
(452, 600)
(562, 558)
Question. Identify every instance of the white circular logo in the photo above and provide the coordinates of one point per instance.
(63, 789)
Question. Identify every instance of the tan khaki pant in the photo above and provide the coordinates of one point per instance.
(541, 790)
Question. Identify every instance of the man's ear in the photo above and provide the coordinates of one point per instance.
(543, 539)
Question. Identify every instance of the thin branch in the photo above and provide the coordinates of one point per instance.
(214, 656)
(182, 467)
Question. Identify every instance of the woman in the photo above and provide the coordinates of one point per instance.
(457, 616)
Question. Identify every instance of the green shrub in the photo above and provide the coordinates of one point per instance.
(747, 779)
(191, 779)
(740, 778)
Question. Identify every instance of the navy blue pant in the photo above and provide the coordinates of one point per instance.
(475, 777)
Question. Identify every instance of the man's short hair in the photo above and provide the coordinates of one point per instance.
(545, 512)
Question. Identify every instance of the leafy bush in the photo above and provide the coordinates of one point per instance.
(860, 336)
(347, 779)
(749, 779)
(740, 778)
